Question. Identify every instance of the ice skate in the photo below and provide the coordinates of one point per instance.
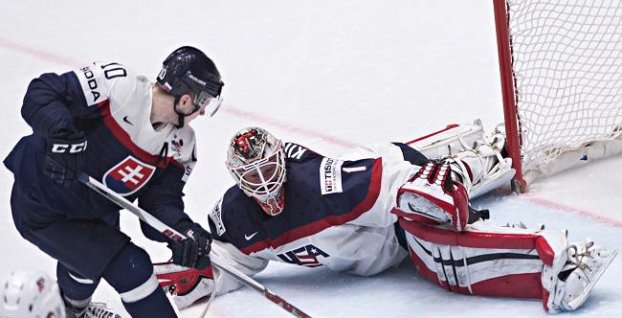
(92, 310)
(585, 265)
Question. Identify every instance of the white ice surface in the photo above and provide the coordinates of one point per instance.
(328, 74)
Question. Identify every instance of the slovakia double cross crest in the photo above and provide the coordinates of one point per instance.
(128, 176)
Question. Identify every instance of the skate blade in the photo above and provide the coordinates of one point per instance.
(575, 303)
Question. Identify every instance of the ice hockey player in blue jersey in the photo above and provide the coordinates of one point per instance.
(365, 212)
(104, 120)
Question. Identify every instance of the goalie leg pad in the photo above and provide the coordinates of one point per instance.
(508, 262)
(503, 263)
(450, 140)
(483, 167)
(477, 159)
(432, 197)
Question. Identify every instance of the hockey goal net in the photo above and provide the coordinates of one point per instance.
(561, 74)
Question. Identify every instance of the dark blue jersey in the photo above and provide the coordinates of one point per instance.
(112, 106)
(307, 211)
(336, 214)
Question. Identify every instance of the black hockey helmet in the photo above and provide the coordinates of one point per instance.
(188, 70)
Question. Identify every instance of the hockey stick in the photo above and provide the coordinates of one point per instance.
(176, 236)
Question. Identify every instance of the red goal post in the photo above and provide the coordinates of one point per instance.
(561, 78)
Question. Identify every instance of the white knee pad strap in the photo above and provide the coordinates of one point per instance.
(83, 281)
(141, 291)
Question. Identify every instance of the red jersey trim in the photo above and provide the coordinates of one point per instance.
(315, 227)
(122, 136)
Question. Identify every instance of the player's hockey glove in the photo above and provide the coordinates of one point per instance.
(65, 157)
(194, 250)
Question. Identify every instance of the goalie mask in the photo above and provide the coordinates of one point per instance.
(257, 162)
(26, 294)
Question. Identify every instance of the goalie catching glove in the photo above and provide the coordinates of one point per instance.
(194, 250)
(433, 197)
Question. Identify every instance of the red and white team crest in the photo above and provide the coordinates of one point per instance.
(128, 176)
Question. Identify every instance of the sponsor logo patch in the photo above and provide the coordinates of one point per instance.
(216, 216)
(330, 176)
(94, 84)
(128, 176)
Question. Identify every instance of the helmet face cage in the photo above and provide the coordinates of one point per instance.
(256, 160)
(262, 179)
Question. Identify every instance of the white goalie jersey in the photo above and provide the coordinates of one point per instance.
(366, 213)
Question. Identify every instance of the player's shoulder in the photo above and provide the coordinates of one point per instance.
(298, 153)
(101, 80)
(233, 206)
(236, 201)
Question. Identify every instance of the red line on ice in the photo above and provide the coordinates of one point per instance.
(38, 53)
(47, 56)
(584, 213)
(232, 110)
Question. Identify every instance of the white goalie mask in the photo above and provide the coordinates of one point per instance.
(30, 294)
(257, 163)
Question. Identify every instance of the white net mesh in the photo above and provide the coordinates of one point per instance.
(567, 63)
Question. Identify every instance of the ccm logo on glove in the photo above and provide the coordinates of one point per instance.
(69, 148)
(65, 157)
